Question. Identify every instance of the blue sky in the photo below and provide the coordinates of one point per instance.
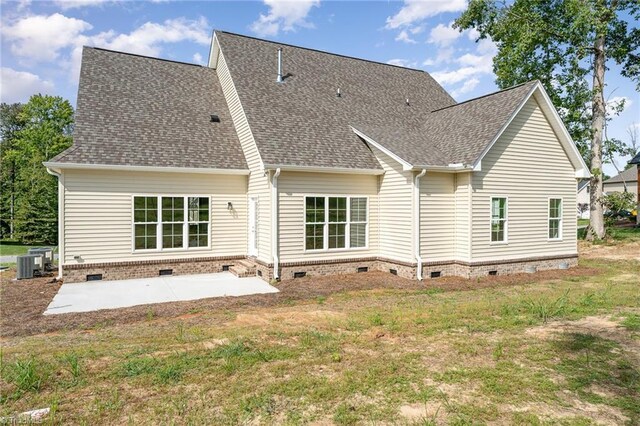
(42, 40)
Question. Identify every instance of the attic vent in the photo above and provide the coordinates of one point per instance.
(215, 118)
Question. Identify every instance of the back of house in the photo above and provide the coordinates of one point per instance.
(283, 161)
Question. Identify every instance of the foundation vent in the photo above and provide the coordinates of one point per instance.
(493, 272)
(94, 277)
(393, 271)
(436, 274)
(363, 269)
(166, 272)
(259, 273)
(299, 274)
(225, 268)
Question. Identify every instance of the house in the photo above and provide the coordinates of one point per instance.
(626, 181)
(284, 161)
(583, 199)
(636, 161)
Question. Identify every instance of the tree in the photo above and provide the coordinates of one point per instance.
(561, 43)
(10, 125)
(46, 123)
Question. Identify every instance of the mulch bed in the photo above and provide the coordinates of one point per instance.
(23, 302)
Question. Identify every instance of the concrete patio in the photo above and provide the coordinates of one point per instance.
(96, 295)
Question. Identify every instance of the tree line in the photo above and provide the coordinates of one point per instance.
(30, 134)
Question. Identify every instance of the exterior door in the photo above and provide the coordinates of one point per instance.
(253, 227)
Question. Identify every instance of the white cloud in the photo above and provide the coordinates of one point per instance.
(72, 4)
(617, 104)
(414, 11)
(402, 63)
(467, 87)
(41, 38)
(284, 15)
(197, 58)
(18, 86)
(405, 37)
(444, 35)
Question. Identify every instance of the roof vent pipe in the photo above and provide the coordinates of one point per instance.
(279, 79)
(338, 94)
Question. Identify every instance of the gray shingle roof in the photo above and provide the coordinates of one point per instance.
(141, 111)
(636, 159)
(629, 175)
(302, 122)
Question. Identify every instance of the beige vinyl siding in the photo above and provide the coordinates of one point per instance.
(292, 189)
(98, 213)
(632, 186)
(396, 194)
(528, 166)
(462, 216)
(259, 184)
(437, 216)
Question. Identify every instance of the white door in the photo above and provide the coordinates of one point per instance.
(253, 227)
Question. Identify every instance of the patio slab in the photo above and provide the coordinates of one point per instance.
(96, 295)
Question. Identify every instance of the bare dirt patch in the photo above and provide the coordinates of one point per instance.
(23, 302)
(622, 251)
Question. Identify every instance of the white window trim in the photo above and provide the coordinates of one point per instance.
(560, 223)
(506, 220)
(185, 239)
(325, 236)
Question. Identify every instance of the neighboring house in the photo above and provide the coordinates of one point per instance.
(626, 181)
(335, 165)
(583, 199)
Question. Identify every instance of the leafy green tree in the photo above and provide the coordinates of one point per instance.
(563, 43)
(47, 123)
(10, 125)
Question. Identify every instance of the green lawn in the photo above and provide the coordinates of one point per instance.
(13, 249)
(583, 222)
(554, 352)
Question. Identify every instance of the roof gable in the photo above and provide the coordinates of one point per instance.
(302, 121)
(629, 175)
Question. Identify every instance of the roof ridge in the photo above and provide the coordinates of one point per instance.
(486, 95)
(144, 56)
(322, 51)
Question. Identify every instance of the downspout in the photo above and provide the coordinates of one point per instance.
(416, 223)
(274, 222)
(60, 177)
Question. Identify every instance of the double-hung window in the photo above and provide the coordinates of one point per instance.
(498, 220)
(335, 223)
(555, 218)
(170, 222)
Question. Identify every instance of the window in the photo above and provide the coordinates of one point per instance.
(314, 223)
(498, 219)
(198, 222)
(145, 219)
(555, 218)
(335, 222)
(170, 222)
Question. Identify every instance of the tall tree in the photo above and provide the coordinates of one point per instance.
(46, 131)
(561, 43)
(10, 125)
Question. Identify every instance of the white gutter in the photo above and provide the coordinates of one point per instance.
(313, 169)
(119, 167)
(60, 177)
(416, 223)
(274, 222)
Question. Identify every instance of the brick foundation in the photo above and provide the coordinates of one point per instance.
(147, 269)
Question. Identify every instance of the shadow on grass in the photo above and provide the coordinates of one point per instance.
(600, 372)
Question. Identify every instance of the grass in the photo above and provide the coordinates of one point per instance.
(12, 248)
(507, 355)
(583, 222)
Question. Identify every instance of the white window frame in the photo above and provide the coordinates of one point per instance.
(559, 219)
(325, 224)
(506, 220)
(185, 239)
